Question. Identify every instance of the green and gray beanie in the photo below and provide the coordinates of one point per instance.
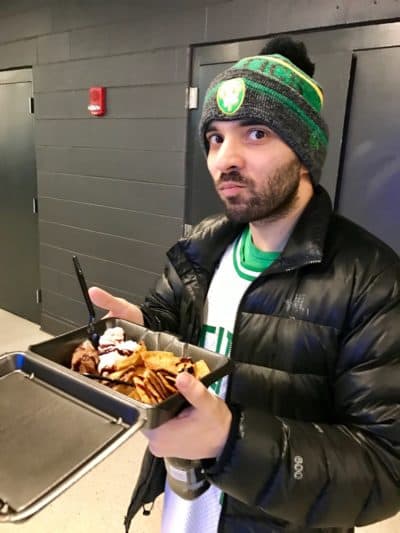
(275, 92)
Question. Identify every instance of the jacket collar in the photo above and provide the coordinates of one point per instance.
(204, 247)
(306, 243)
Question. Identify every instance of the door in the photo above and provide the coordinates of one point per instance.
(370, 187)
(19, 264)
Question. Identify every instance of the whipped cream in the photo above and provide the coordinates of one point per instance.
(113, 348)
(112, 336)
(108, 360)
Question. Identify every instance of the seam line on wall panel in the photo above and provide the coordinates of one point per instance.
(102, 148)
(110, 86)
(143, 51)
(60, 172)
(106, 234)
(107, 117)
(109, 207)
(95, 257)
(111, 149)
(139, 270)
(78, 301)
(164, 247)
(108, 178)
(101, 205)
(79, 296)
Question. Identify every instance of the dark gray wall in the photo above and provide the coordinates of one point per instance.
(111, 189)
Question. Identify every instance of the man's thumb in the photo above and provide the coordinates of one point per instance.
(104, 299)
(193, 390)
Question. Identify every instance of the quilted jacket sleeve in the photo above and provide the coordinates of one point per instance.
(161, 307)
(331, 475)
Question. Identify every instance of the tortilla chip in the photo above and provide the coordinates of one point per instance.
(200, 369)
(129, 360)
(167, 381)
(123, 389)
(157, 384)
(157, 360)
(134, 394)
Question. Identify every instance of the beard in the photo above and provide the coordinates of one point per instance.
(275, 198)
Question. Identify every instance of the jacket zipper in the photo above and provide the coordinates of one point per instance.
(234, 335)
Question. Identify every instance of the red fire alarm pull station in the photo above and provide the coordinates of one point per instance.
(97, 101)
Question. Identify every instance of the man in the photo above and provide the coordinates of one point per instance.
(306, 436)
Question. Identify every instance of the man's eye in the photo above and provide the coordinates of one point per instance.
(257, 134)
(214, 138)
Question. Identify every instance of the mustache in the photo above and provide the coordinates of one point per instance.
(234, 177)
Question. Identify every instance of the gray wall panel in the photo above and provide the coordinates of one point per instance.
(154, 166)
(90, 42)
(155, 229)
(128, 36)
(184, 26)
(27, 24)
(73, 311)
(70, 314)
(88, 13)
(55, 325)
(108, 247)
(141, 33)
(358, 10)
(116, 277)
(243, 21)
(138, 134)
(160, 66)
(18, 54)
(305, 14)
(52, 48)
(182, 56)
(56, 281)
(158, 101)
(271, 17)
(141, 197)
(15, 7)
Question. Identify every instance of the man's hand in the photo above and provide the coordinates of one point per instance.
(117, 307)
(198, 432)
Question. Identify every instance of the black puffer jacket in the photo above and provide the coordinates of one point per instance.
(316, 381)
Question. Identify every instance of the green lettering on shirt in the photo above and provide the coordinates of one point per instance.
(223, 337)
(204, 330)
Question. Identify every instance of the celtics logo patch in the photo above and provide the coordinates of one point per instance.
(230, 95)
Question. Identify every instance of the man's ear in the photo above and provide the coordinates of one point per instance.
(304, 173)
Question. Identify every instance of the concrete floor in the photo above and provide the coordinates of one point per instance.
(97, 503)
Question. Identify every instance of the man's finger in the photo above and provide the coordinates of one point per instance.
(194, 391)
(118, 307)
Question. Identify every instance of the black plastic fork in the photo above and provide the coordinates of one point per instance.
(93, 336)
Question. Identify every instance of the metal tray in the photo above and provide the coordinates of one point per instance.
(60, 349)
(54, 428)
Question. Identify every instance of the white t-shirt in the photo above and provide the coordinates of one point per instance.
(225, 292)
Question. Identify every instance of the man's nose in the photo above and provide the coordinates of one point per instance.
(229, 156)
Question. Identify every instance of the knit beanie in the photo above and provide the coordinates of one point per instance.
(275, 92)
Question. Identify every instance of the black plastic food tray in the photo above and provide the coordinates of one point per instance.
(60, 349)
(54, 428)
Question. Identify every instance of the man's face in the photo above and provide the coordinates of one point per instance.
(255, 173)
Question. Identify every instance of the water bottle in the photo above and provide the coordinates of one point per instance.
(186, 477)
